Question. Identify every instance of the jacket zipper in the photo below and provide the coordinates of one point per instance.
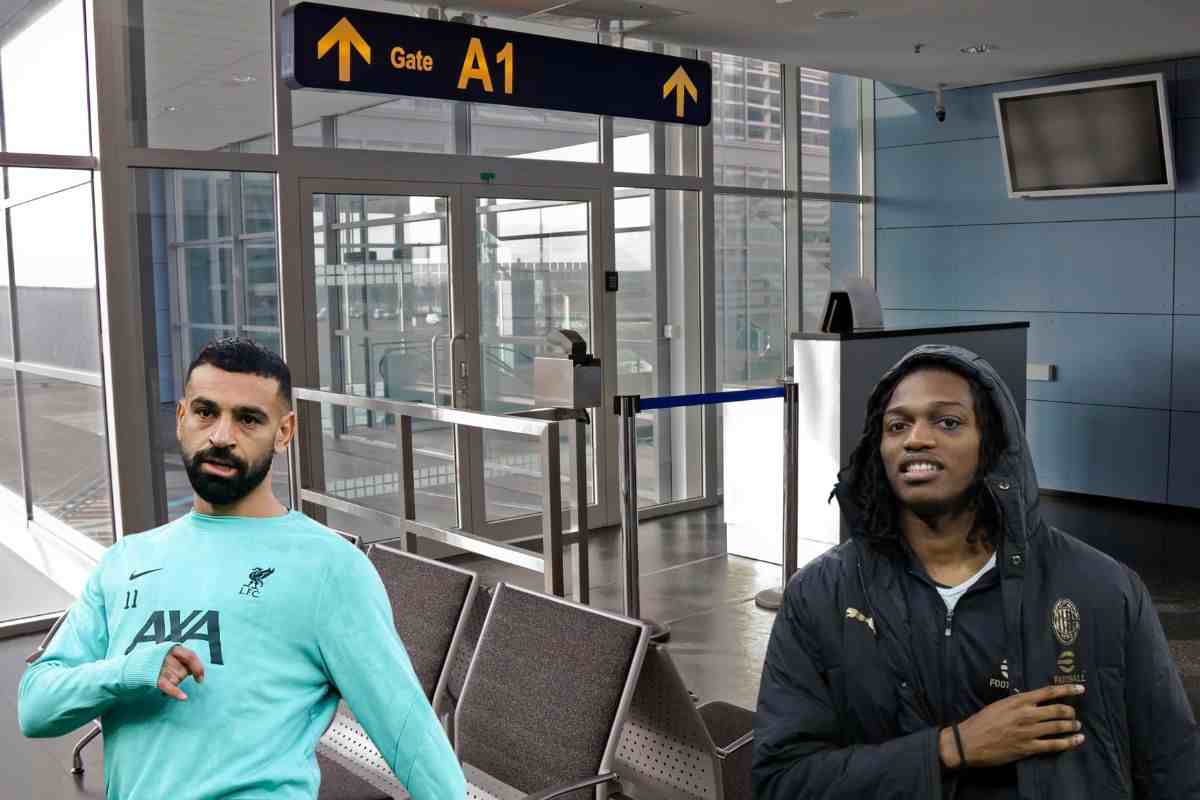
(949, 621)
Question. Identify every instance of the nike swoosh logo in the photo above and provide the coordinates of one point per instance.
(133, 576)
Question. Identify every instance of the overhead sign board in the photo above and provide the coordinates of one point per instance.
(343, 49)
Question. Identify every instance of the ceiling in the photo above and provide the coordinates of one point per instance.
(1031, 37)
(207, 76)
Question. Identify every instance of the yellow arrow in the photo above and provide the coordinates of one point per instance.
(344, 36)
(679, 82)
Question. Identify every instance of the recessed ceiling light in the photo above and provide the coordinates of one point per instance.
(244, 79)
(835, 14)
(170, 109)
(977, 49)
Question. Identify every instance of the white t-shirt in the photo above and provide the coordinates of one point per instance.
(951, 595)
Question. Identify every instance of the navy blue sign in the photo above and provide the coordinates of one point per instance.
(342, 49)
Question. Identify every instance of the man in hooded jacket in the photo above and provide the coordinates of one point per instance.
(956, 646)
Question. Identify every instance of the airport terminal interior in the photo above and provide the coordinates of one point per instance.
(472, 229)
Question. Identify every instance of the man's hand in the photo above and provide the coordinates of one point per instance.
(1012, 729)
(178, 664)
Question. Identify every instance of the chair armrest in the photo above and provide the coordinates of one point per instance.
(737, 744)
(567, 788)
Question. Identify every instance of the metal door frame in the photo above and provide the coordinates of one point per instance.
(465, 325)
(603, 511)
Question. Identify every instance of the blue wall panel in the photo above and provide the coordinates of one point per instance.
(909, 120)
(1186, 384)
(1103, 359)
(1114, 267)
(962, 183)
(1116, 452)
(1186, 102)
(1184, 486)
(1187, 266)
(1098, 278)
(1187, 167)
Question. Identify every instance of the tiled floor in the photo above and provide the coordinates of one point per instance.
(718, 635)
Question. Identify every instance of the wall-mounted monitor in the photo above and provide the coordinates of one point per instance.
(1099, 137)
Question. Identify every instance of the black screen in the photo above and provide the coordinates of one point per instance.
(1108, 136)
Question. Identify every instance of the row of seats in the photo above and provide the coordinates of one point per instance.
(542, 698)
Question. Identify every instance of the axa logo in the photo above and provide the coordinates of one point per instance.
(255, 585)
(172, 626)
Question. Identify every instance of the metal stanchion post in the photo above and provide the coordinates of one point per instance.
(628, 408)
(581, 574)
(772, 599)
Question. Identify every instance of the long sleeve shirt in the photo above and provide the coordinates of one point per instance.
(286, 617)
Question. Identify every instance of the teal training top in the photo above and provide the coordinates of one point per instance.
(285, 614)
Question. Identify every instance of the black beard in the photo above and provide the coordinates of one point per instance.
(220, 491)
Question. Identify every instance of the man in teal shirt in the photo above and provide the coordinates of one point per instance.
(214, 648)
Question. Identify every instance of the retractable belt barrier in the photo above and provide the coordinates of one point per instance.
(627, 408)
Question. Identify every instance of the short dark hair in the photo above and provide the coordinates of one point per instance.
(867, 479)
(245, 356)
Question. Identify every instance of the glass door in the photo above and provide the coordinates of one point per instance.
(380, 264)
(537, 270)
(444, 294)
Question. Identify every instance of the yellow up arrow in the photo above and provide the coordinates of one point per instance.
(679, 82)
(344, 36)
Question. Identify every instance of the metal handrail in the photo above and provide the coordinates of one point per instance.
(549, 562)
(454, 416)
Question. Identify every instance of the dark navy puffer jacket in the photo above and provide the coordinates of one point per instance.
(849, 710)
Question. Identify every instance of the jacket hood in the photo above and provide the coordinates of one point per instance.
(1012, 480)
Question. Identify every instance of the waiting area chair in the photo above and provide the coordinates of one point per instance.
(544, 698)
(430, 600)
(673, 750)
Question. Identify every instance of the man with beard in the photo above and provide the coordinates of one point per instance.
(214, 648)
(957, 646)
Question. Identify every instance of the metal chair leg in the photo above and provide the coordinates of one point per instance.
(76, 755)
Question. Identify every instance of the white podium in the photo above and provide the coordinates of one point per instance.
(836, 374)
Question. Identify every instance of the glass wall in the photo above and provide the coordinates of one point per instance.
(206, 241)
(382, 281)
(784, 175)
(200, 75)
(46, 40)
(659, 334)
(52, 360)
(752, 337)
(754, 276)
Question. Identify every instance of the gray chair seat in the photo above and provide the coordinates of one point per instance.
(339, 783)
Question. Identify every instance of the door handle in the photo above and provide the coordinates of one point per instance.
(459, 372)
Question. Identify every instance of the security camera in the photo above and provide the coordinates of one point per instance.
(939, 105)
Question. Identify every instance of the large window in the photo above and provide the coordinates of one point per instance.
(206, 240)
(50, 382)
(765, 290)
(747, 122)
(659, 342)
(200, 75)
(43, 78)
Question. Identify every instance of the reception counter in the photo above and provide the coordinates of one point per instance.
(836, 373)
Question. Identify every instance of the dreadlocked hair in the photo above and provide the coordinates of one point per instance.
(867, 480)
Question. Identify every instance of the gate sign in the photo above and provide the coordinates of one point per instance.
(343, 49)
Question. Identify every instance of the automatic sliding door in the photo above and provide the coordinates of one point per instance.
(535, 262)
(383, 322)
